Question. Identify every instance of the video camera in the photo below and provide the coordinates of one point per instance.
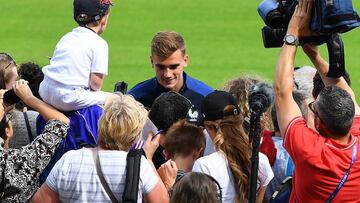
(328, 20)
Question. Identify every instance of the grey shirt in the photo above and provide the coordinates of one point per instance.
(21, 135)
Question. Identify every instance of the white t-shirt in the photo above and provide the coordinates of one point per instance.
(216, 166)
(78, 54)
(75, 179)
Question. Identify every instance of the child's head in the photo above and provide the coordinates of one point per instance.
(184, 139)
(92, 13)
(196, 187)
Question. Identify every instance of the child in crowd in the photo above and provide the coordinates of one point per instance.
(184, 144)
(196, 187)
(74, 78)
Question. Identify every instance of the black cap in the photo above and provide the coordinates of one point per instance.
(88, 11)
(168, 108)
(214, 104)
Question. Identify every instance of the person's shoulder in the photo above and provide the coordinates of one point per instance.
(87, 36)
(355, 128)
(73, 154)
(143, 88)
(210, 164)
(210, 159)
(198, 86)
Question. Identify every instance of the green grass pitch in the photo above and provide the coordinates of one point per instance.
(223, 37)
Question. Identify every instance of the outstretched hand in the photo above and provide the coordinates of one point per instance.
(22, 90)
(300, 21)
(151, 144)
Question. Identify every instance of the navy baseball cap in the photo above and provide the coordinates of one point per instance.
(88, 11)
(213, 106)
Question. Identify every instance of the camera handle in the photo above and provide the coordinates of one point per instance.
(335, 47)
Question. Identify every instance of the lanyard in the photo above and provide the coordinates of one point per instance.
(344, 178)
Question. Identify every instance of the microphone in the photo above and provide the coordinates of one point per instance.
(261, 97)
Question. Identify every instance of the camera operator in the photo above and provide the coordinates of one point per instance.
(20, 168)
(322, 158)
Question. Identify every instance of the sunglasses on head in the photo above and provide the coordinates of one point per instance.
(8, 57)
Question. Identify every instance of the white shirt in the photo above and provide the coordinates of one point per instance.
(216, 166)
(78, 54)
(75, 179)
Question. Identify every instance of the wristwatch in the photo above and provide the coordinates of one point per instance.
(290, 39)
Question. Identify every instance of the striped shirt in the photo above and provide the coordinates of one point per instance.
(75, 179)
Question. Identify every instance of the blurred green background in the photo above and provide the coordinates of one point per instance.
(223, 37)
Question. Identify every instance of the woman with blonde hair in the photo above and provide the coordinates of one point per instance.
(231, 164)
(75, 178)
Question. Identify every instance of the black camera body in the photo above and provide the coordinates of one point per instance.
(121, 86)
(277, 21)
(327, 21)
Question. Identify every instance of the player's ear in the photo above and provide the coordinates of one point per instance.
(186, 59)
(152, 61)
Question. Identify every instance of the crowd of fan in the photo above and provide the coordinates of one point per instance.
(68, 141)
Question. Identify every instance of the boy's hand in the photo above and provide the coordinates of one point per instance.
(96, 81)
(167, 173)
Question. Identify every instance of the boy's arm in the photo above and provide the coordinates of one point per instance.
(96, 81)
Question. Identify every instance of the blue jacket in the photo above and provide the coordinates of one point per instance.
(147, 91)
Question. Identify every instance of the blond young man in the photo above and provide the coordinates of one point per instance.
(169, 59)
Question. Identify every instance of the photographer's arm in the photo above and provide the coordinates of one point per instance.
(322, 67)
(286, 107)
(22, 90)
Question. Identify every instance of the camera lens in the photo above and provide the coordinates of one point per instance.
(275, 19)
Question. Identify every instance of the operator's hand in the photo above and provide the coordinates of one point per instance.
(22, 90)
(299, 24)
